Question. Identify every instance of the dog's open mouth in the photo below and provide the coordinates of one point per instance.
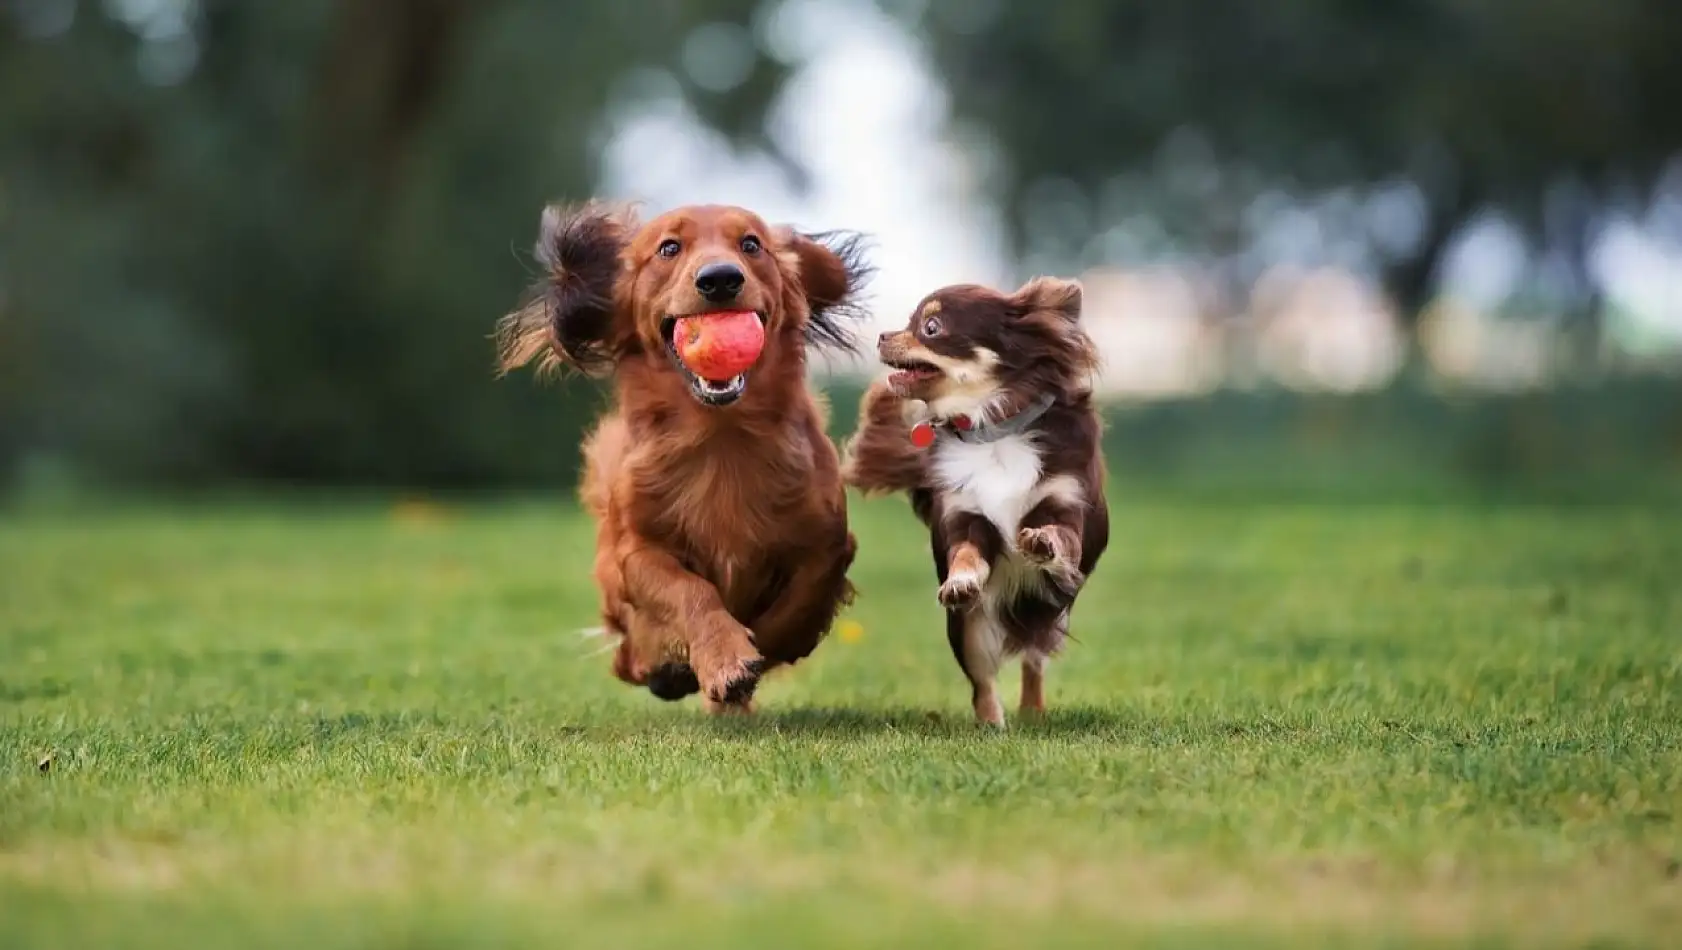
(908, 372)
(709, 392)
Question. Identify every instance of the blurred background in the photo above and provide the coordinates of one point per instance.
(1334, 243)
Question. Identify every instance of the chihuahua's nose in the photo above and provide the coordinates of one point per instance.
(720, 281)
(882, 338)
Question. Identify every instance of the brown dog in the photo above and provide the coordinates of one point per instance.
(722, 546)
(987, 422)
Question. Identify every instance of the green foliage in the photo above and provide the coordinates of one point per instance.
(1446, 723)
(1549, 111)
(1403, 441)
(287, 267)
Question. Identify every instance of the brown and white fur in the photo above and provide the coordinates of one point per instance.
(722, 546)
(1012, 488)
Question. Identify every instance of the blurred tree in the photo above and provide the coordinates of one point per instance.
(1548, 110)
(268, 240)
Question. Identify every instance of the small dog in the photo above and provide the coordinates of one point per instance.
(987, 422)
(722, 546)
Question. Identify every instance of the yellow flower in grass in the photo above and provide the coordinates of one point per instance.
(850, 631)
(418, 513)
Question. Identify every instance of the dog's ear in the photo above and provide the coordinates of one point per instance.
(832, 273)
(1048, 310)
(569, 317)
(1050, 295)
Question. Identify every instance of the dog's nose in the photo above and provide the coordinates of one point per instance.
(882, 339)
(720, 281)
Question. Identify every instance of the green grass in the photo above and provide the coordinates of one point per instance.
(1283, 725)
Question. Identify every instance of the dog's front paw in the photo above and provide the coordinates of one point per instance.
(1048, 549)
(726, 664)
(734, 686)
(962, 590)
(1039, 545)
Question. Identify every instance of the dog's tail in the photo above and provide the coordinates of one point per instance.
(880, 458)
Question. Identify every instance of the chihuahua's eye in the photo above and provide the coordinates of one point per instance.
(931, 326)
(750, 245)
(669, 248)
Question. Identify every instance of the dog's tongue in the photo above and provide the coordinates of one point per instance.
(719, 346)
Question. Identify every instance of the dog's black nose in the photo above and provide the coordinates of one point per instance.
(720, 281)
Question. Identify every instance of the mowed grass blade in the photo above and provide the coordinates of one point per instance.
(1359, 724)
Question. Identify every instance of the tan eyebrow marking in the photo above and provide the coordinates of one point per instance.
(931, 308)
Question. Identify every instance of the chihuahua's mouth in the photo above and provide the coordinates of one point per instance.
(708, 392)
(909, 372)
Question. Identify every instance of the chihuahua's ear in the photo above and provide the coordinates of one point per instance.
(831, 272)
(1050, 295)
(569, 317)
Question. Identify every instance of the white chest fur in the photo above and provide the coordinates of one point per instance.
(998, 480)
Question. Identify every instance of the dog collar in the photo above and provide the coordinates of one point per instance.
(965, 429)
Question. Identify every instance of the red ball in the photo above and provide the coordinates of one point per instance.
(719, 346)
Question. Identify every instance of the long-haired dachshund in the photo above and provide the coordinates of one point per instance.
(722, 546)
(987, 422)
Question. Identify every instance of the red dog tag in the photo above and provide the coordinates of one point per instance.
(922, 435)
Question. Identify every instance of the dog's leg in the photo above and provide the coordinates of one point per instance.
(721, 650)
(814, 593)
(966, 576)
(978, 641)
(977, 638)
(1050, 537)
(971, 544)
(1033, 683)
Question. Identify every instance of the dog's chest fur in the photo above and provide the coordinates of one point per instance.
(996, 480)
(1001, 481)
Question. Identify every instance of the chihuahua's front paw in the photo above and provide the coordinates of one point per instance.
(962, 589)
(1049, 548)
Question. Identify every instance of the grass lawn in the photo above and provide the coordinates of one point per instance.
(1283, 725)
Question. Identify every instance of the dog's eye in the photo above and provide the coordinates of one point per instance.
(931, 326)
(750, 245)
(669, 248)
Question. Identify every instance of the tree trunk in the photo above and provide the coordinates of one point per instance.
(384, 68)
(1411, 283)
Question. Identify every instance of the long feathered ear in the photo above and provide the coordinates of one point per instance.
(1050, 309)
(833, 273)
(1051, 296)
(568, 317)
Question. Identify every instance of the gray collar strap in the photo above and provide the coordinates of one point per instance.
(979, 433)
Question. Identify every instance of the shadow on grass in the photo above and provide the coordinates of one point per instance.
(800, 722)
(210, 736)
(844, 723)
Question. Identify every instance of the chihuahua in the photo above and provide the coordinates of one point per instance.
(986, 421)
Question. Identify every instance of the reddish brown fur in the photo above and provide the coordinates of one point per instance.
(722, 545)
